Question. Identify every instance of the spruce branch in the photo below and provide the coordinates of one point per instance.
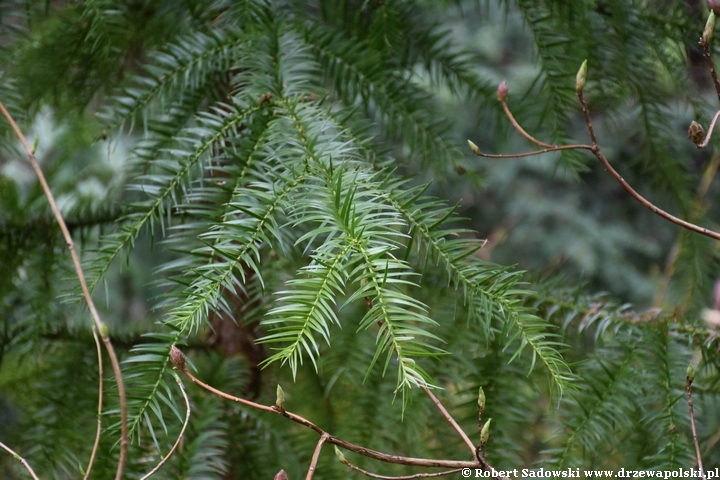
(98, 323)
(20, 459)
(164, 460)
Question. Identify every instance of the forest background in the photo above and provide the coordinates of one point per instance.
(284, 191)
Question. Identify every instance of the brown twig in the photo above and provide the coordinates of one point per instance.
(650, 206)
(20, 459)
(404, 477)
(688, 391)
(552, 148)
(706, 141)
(450, 419)
(182, 431)
(711, 65)
(383, 457)
(100, 403)
(316, 455)
(517, 126)
(86, 292)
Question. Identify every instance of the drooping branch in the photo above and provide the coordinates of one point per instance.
(88, 469)
(182, 431)
(98, 325)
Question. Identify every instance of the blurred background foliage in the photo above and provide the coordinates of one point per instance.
(108, 88)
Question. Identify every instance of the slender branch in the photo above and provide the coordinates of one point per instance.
(404, 477)
(20, 459)
(688, 390)
(650, 206)
(316, 455)
(86, 293)
(450, 419)
(383, 457)
(182, 430)
(100, 403)
(552, 148)
(706, 141)
(517, 126)
(711, 65)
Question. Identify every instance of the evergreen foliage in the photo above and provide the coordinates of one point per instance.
(274, 187)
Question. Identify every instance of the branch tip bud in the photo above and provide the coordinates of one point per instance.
(696, 133)
(177, 357)
(280, 399)
(104, 330)
(485, 432)
(481, 400)
(690, 373)
(502, 91)
(340, 455)
(580, 78)
(475, 149)
(710, 25)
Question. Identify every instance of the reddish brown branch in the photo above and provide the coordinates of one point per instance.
(83, 285)
(711, 65)
(553, 148)
(316, 455)
(450, 419)
(383, 457)
(647, 204)
(404, 477)
(517, 126)
(706, 141)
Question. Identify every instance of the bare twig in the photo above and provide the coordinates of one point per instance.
(450, 419)
(404, 477)
(711, 65)
(688, 391)
(86, 292)
(316, 455)
(552, 148)
(650, 206)
(383, 457)
(182, 430)
(100, 403)
(706, 141)
(517, 126)
(20, 459)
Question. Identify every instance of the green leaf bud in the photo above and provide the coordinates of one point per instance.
(485, 432)
(104, 331)
(340, 455)
(690, 373)
(481, 400)
(475, 149)
(709, 27)
(280, 399)
(580, 78)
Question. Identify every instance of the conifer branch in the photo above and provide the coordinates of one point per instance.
(449, 418)
(20, 459)
(98, 324)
